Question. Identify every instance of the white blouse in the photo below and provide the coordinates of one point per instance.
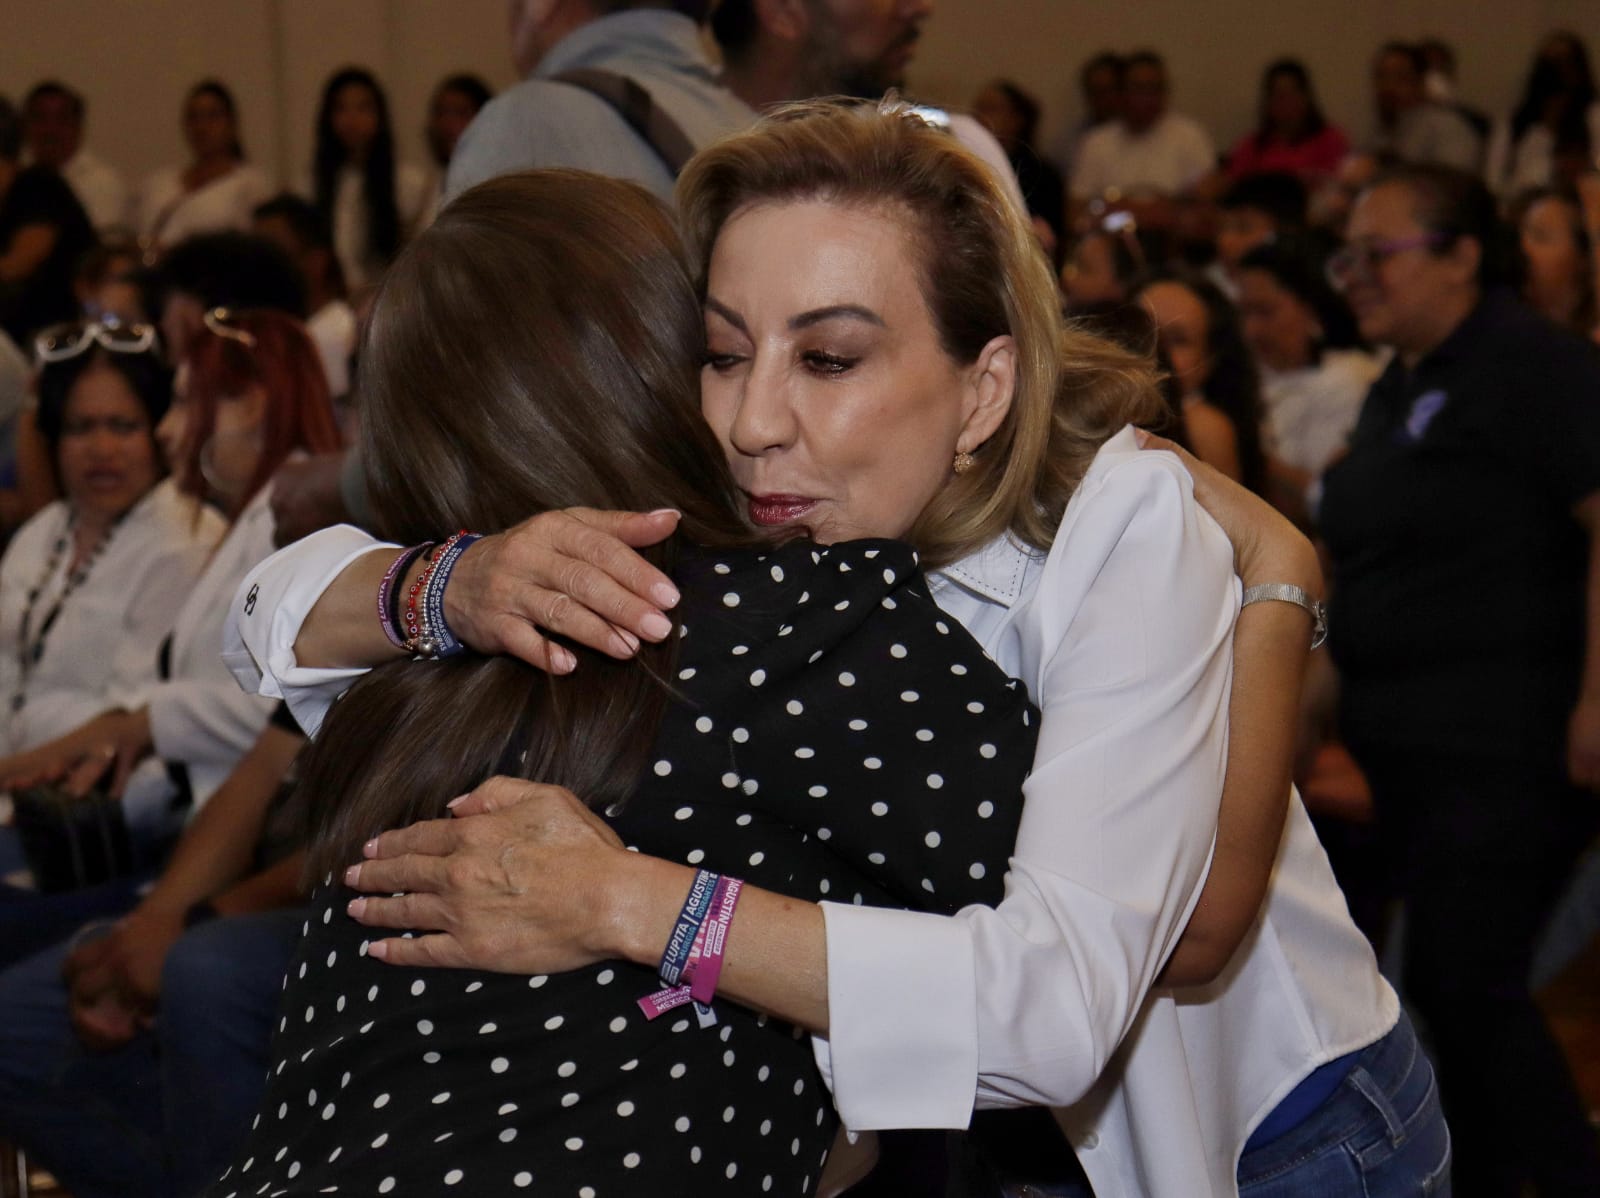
(1516, 167)
(168, 213)
(1123, 635)
(1310, 412)
(198, 716)
(413, 196)
(106, 634)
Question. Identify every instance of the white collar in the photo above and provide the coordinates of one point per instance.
(996, 572)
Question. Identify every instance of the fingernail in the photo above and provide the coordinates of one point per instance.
(378, 950)
(352, 876)
(629, 642)
(665, 511)
(562, 660)
(356, 908)
(453, 803)
(665, 594)
(370, 849)
(656, 626)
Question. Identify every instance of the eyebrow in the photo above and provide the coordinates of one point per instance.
(805, 319)
(838, 311)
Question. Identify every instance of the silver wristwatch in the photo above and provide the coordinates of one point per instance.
(1286, 592)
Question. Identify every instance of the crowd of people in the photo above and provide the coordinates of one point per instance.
(976, 767)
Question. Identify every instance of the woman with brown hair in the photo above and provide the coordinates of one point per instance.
(885, 358)
(555, 309)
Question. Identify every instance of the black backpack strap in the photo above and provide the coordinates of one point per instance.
(636, 106)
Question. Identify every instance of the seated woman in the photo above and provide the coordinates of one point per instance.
(799, 730)
(862, 276)
(1315, 371)
(90, 583)
(250, 394)
(216, 190)
(1199, 331)
(1558, 258)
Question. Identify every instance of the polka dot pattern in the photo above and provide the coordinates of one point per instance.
(825, 747)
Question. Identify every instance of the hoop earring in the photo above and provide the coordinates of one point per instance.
(964, 462)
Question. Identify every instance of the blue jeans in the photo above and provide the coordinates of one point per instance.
(162, 1115)
(1380, 1134)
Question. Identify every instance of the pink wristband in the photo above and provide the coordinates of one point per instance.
(705, 967)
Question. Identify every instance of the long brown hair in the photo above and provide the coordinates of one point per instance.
(983, 276)
(536, 348)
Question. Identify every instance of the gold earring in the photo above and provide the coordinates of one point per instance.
(964, 462)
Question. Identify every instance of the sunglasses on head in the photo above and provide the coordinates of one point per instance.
(62, 341)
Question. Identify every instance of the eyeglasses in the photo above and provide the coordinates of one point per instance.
(62, 341)
(1361, 259)
(224, 323)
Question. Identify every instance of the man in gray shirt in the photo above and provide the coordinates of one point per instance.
(1411, 127)
(544, 122)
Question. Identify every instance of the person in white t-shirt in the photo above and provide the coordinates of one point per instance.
(53, 117)
(1149, 155)
(297, 226)
(1553, 133)
(1315, 371)
(372, 201)
(216, 190)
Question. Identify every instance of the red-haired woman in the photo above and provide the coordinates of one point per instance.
(249, 395)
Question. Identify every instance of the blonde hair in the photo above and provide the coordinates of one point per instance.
(983, 276)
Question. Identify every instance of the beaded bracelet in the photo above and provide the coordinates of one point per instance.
(388, 597)
(418, 638)
(433, 593)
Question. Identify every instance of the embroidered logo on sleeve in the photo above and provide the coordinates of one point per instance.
(250, 599)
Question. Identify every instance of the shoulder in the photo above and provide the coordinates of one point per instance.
(1179, 127)
(31, 542)
(167, 514)
(1127, 488)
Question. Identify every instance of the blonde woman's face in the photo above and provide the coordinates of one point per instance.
(825, 380)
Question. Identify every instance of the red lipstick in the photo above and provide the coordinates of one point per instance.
(771, 510)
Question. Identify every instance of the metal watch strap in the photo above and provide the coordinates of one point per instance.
(1287, 592)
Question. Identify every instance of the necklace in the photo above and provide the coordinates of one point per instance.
(29, 652)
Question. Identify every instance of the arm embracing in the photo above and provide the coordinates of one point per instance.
(1127, 641)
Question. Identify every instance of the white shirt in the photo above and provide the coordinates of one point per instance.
(1166, 159)
(168, 213)
(106, 633)
(333, 332)
(412, 196)
(1310, 412)
(199, 716)
(100, 189)
(1530, 162)
(1123, 634)
(1432, 134)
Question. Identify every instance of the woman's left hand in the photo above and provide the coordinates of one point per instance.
(112, 743)
(525, 882)
(1583, 744)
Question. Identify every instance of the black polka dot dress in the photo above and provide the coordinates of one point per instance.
(837, 738)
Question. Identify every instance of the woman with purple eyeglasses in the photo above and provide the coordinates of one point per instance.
(1465, 623)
